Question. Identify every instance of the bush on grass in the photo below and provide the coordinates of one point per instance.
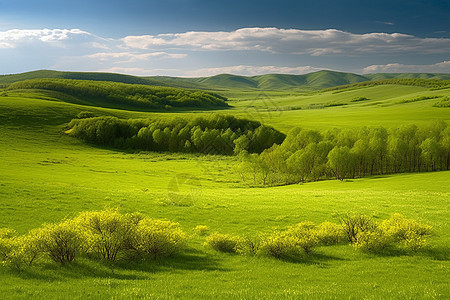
(409, 233)
(224, 242)
(107, 232)
(201, 229)
(330, 233)
(158, 239)
(354, 224)
(62, 242)
(17, 251)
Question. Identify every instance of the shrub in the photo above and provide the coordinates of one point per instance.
(372, 241)
(249, 245)
(353, 224)
(201, 229)
(279, 245)
(298, 240)
(156, 238)
(223, 242)
(410, 233)
(108, 232)
(330, 233)
(61, 242)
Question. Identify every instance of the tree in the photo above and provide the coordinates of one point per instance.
(341, 162)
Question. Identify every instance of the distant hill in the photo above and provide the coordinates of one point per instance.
(312, 81)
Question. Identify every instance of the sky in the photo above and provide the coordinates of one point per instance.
(194, 38)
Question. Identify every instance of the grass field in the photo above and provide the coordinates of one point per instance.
(46, 176)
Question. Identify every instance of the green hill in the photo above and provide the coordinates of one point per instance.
(379, 76)
(95, 76)
(120, 95)
(269, 82)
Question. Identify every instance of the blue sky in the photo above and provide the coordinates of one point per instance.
(203, 38)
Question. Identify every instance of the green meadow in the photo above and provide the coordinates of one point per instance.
(46, 176)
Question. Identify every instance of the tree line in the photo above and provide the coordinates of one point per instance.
(135, 95)
(310, 155)
(428, 83)
(213, 134)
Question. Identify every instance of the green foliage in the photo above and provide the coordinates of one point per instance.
(409, 233)
(330, 233)
(429, 83)
(86, 114)
(373, 241)
(121, 94)
(309, 155)
(397, 230)
(215, 134)
(107, 232)
(62, 242)
(295, 242)
(157, 238)
(421, 98)
(224, 242)
(444, 102)
(19, 251)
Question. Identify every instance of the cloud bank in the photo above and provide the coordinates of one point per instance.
(441, 67)
(292, 41)
(246, 51)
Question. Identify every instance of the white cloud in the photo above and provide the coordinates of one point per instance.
(15, 37)
(251, 70)
(127, 57)
(441, 67)
(295, 41)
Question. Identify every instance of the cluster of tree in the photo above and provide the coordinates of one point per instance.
(361, 231)
(309, 155)
(428, 83)
(106, 235)
(213, 134)
(135, 95)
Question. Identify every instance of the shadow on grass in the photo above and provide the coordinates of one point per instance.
(434, 253)
(123, 269)
(314, 258)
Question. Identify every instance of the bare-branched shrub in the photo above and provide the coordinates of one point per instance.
(62, 242)
(353, 224)
(107, 231)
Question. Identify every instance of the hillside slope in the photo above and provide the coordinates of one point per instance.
(95, 76)
(121, 95)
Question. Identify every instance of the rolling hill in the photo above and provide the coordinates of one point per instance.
(268, 82)
(95, 76)
(119, 95)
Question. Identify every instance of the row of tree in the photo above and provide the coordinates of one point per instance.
(214, 134)
(428, 83)
(125, 94)
(309, 155)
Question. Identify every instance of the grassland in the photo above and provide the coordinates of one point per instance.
(46, 176)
